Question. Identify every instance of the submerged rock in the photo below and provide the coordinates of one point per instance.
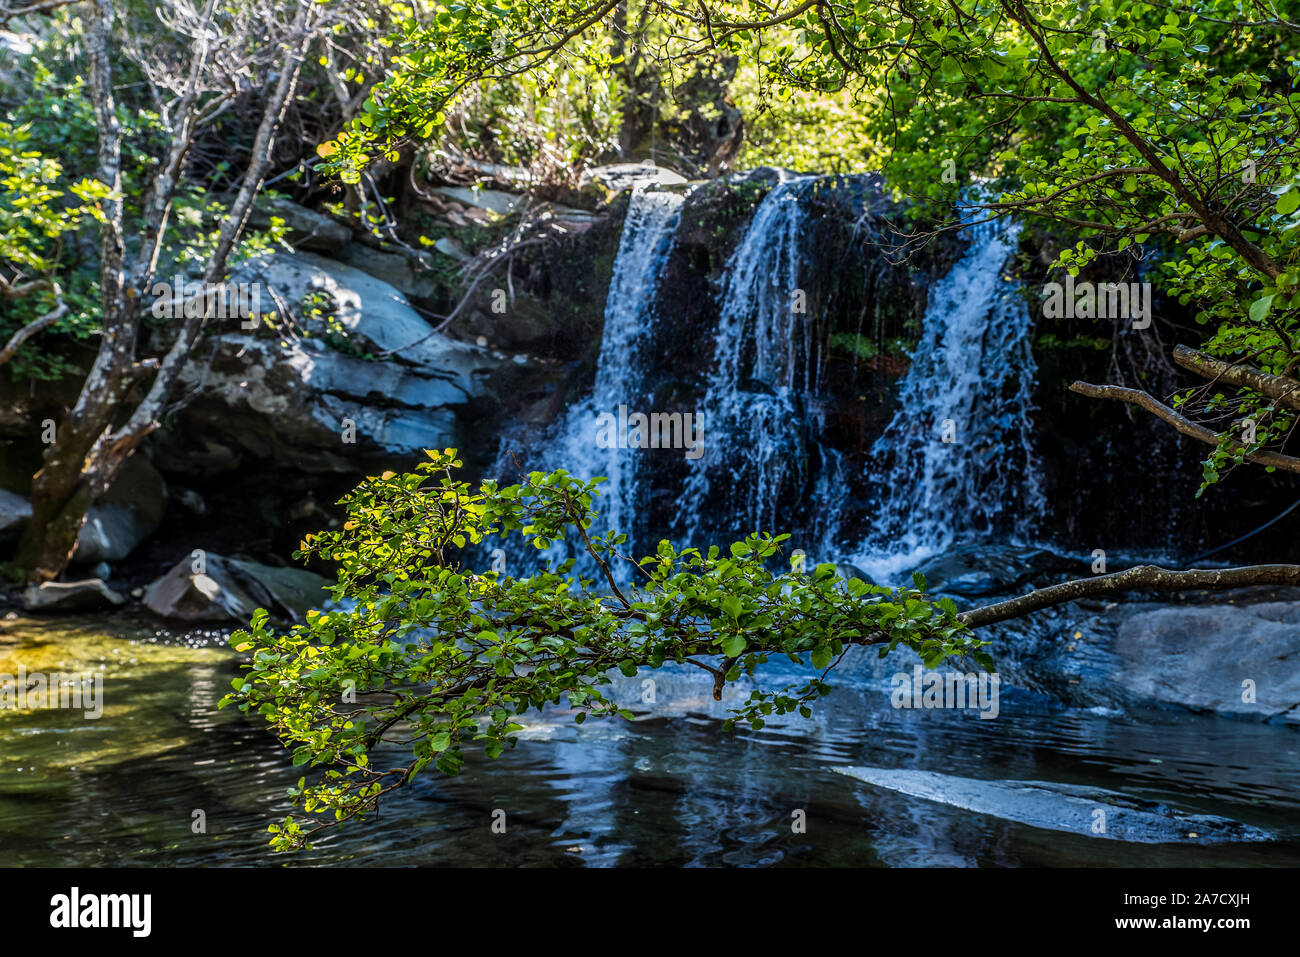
(1076, 809)
(230, 590)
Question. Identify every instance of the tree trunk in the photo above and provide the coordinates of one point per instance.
(60, 500)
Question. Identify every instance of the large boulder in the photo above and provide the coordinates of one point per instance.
(1236, 655)
(15, 512)
(1239, 660)
(369, 375)
(220, 589)
(128, 513)
(307, 229)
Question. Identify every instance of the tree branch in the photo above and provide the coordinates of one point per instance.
(1137, 578)
(1182, 424)
(36, 325)
(1285, 391)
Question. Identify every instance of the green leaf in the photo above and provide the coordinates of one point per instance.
(1260, 307)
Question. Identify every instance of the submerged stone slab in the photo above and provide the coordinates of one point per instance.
(1071, 808)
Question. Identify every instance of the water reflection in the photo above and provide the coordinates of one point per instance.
(668, 789)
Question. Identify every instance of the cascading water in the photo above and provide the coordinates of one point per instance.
(764, 366)
(651, 223)
(957, 459)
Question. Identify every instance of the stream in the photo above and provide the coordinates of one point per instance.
(670, 788)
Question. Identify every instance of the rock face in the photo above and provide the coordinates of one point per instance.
(67, 597)
(371, 377)
(128, 513)
(230, 590)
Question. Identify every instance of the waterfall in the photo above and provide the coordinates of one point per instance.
(764, 364)
(957, 459)
(647, 240)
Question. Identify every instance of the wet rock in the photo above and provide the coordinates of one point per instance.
(1063, 807)
(229, 590)
(846, 570)
(1236, 655)
(64, 597)
(983, 570)
(127, 514)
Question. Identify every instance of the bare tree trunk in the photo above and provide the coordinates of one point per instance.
(88, 449)
(61, 491)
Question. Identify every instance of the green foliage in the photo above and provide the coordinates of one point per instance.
(38, 210)
(1151, 133)
(49, 196)
(442, 656)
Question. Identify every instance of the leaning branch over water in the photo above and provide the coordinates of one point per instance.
(1138, 578)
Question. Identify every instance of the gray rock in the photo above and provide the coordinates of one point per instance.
(1201, 656)
(448, 247)
(88, 595)
(15, 512)
(308, 229)
(847, 570)
(1136, 654)
(409, 273)
(981, 569)
(128, 513)
(617, 177)
(292, 401)
(494, 201)
(230, 590)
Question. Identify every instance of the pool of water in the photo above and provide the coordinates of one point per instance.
(670, 788)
